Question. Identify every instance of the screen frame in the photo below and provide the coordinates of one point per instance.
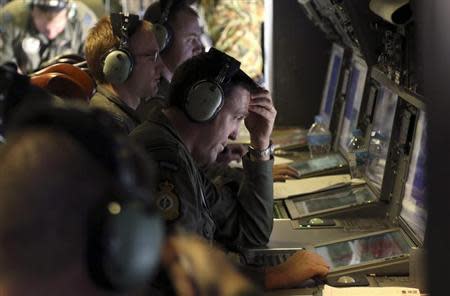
(402, 222)
(381, 94)
(360, 65)
(373, 262)
(295, 214)
(337, 52)
(343, 166)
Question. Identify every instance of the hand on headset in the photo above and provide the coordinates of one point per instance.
(261, 118)
(233, 151)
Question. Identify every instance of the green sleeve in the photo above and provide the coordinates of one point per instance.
(243, 210)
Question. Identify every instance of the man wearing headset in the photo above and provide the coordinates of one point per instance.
(34, 31)
(187, 135)
(181, 42)
(123, 56)
(209, 97)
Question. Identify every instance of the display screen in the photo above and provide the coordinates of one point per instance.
(363, 250)
(348, 196)
(329, 94)
(320, 164)
(353, 100)
(380, 135)
(414, 211)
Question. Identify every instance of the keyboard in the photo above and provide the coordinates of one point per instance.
(268, 258)
(362, 224)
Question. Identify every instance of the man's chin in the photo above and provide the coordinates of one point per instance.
(207, 162)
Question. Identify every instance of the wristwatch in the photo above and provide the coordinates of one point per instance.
(256, 154)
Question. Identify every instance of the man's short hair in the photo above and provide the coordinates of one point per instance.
(203, 66)
(153, 12)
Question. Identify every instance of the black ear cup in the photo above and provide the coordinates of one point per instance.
(125, 248)
(124, 244)
(205, 98)
(163, 33)
(117, 66)
(204, 101)
(118, 63)
(158, 14)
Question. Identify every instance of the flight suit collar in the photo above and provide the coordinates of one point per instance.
(158, 117)
(118, 102)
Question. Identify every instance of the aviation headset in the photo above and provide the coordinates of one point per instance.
(205, 97)
(118, 62)
(124, 232)
(163, 30)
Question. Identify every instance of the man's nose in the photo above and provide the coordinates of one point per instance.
(233, 136)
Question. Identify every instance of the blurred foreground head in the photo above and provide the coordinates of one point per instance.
(75, 211)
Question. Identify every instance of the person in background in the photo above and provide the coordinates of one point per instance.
(235, 27)
(123, 56)
(33, 32)
(183, 42)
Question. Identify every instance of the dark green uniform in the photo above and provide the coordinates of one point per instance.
(236, 216)
(21, 43)
(146, 107)
(125, 117)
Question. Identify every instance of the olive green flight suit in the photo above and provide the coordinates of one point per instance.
(20, 42)
(124, 116)
(235, 216)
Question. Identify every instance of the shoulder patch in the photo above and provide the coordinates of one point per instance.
(167, 201)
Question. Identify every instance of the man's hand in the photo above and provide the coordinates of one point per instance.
(231, 152)
(260, 119)
(282, 172)
(301, 266)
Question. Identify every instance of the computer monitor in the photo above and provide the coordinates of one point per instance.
(375, 247)
(380, 136)
(353, 100)
(336, 199)
(331, 83)
(414, 211)
(315, 166)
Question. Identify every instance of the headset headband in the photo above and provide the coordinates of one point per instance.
(165, 12)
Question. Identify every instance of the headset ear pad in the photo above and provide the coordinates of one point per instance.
(204, 101)
(163, 33)
(117, 66)
(124, 244)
